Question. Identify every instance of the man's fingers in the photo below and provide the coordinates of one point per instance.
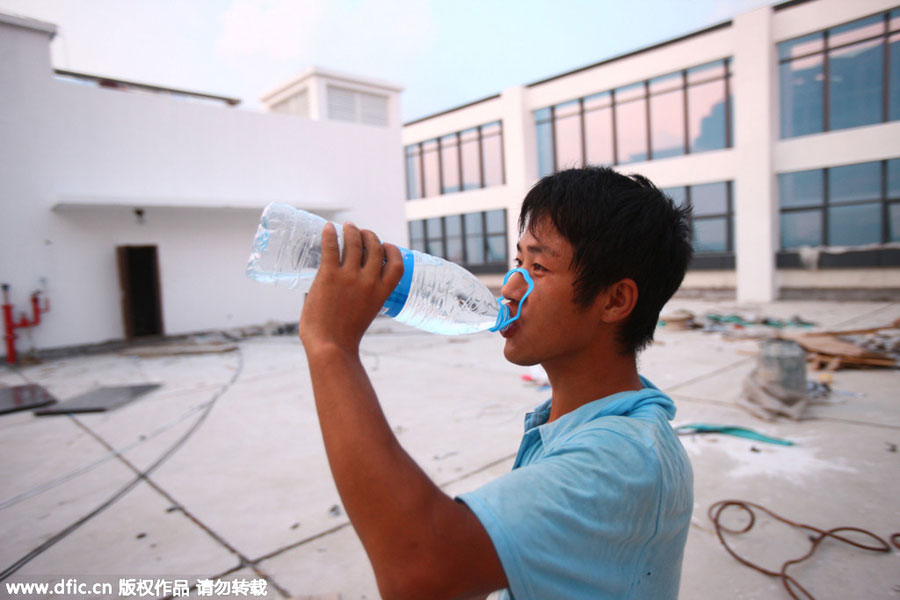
(393, 266)
(353, 245)
(331, 253)
(373, 255)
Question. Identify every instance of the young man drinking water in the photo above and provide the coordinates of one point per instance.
(599, 500)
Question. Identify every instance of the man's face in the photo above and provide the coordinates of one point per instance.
(552, 327)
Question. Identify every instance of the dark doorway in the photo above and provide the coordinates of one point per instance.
(139, 280)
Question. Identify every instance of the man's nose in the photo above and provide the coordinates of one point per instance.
(514, 288)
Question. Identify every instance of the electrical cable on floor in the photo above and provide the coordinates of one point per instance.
(715, 514)
(10, 570)
(144, 438)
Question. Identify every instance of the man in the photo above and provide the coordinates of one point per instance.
(599, 501)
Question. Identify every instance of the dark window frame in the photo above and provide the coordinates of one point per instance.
(645, 97)
(717, 259)
(864, 257)
(419, 148)
(479, 268)
(825, 53)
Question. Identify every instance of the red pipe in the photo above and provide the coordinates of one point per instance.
(10, 326)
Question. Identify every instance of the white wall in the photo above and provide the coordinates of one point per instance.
(75, 161)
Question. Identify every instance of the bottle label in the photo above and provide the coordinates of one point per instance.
(397, 300)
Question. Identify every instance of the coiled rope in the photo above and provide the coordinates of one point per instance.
(790, 583)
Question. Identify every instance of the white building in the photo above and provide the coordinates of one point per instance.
(170, 184)
(781, 127)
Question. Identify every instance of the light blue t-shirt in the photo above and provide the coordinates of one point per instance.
(598, 503)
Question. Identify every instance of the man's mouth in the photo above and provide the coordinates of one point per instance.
(509, 330)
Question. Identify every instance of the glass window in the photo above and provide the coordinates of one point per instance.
(709, 199)
(474, 238)
(496, 249)
(635, 91)
(706, 116)
(413, 173)
(545, 148)
(434, 242)
(854, 224)
(667, 123)
(801, 228)
(894, 85)
(567, 109)
(598, 101)
(894, 222)
(855, 31)
(801, 46)
(455, 250)
(471, 159)
(474, 223)
(453, 225)
(640, 121)
(853, 183)
(459, 161)
(450, 164)
(631, 124)
(492, 154)
(496, 221)
(801, 96)
(854, 84)
(713, 70)
(474, 250)
(893, 178)
(711, 235)
(856, 202)
(417, 235)
(666, 83)
(804, 188)
(454, 238)
(677, 194)
(567, 120)
(598, 134)
(431, 171)
(858, 80)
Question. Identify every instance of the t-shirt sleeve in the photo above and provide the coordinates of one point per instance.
(575, 522)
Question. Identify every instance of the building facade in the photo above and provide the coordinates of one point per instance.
(781, 128)
(133, 207)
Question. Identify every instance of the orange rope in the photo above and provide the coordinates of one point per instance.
(715, 513)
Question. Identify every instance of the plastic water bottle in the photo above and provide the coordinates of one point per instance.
(434, 295)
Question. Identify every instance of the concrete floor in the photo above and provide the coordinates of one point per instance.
(236, 486)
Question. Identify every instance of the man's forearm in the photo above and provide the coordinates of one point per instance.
(422, 544)
(387, 496)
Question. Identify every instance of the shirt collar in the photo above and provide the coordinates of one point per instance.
(619, 404)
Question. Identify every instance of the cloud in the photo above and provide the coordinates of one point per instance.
(358, 35)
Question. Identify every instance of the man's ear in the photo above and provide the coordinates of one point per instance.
(617, 302)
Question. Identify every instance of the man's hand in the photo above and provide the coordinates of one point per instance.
(347, 294)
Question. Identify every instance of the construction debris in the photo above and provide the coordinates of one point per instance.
(732, 326)
(742, 432)
(778, 384)
(679, 320)
(871, 347)
(179, 349)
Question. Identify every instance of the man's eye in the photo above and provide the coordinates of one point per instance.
(537, 267)
(518, 263)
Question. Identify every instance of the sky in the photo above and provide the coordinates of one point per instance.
(444, 53)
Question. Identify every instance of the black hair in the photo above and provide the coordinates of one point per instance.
(619, 227)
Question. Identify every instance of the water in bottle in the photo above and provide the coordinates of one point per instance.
(434, 295)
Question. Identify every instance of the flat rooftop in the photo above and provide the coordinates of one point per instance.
(220, 474)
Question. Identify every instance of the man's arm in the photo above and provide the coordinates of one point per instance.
(421, 543)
